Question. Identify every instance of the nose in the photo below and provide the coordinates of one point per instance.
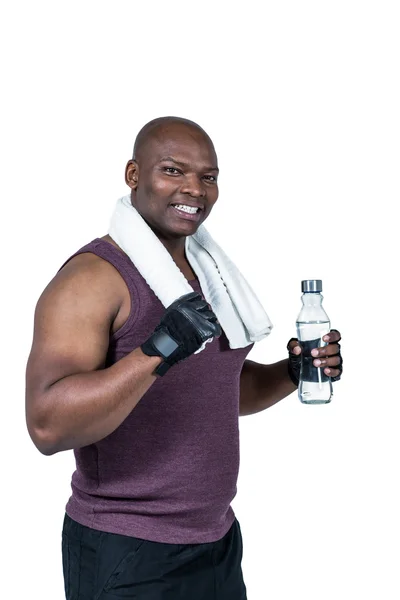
(193, 186)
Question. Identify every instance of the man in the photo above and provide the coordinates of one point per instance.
(157, 456)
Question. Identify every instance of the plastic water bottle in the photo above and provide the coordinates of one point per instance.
(315, 387)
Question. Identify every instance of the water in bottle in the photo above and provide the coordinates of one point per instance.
(315, 387)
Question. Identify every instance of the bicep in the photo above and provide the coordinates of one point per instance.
(71, 328)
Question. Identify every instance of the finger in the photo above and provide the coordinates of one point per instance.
(337, 377)
(201, 305)
(329, 350)
(293, 346)
(211, 316)
(332, 372)
(328, 362)
(332, 336)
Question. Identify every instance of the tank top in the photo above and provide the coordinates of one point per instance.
(168, 473)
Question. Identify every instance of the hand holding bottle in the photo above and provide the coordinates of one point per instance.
(329, 355)
(312, 355)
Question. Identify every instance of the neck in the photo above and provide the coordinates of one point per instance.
(176, 247)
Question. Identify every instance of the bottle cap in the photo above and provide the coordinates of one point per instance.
(311, 285)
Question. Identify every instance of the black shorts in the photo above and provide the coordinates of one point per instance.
(107, 566)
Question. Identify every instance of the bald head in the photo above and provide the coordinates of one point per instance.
(162, 128)
(174, 162)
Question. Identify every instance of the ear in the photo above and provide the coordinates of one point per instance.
(132, 174)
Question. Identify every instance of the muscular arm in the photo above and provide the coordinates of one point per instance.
(261, 386)
(71, 399)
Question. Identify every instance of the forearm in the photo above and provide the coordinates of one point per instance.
(81, 409)
(264, 386)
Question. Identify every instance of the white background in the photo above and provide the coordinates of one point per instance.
(302, 102)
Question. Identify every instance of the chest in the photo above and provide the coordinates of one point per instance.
(125, 309)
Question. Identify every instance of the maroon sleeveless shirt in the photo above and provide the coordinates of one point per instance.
(168, 473)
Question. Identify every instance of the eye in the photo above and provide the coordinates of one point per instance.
(210, 178)
(172, 170)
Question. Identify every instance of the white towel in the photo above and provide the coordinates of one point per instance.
(231, 298)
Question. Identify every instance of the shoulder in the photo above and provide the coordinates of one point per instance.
(89, 275)
(90, 264)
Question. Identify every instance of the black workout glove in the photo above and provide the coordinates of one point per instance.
(186, 325)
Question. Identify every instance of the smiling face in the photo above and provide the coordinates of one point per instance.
(176, 166)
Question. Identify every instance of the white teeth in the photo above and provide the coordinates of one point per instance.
(188, 209)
